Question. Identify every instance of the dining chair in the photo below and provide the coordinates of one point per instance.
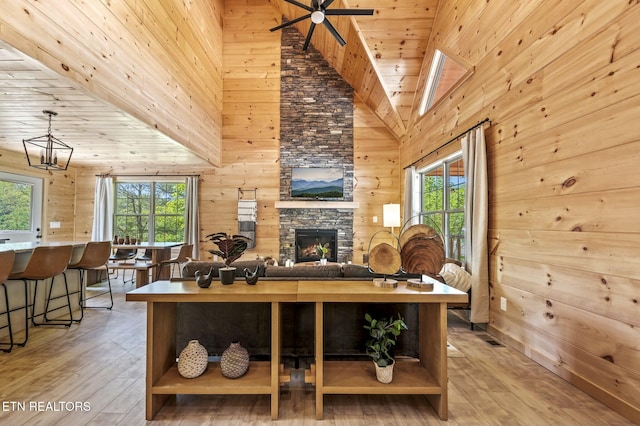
(46, 262)
(94, 257)
(186, 251)
(6, 265)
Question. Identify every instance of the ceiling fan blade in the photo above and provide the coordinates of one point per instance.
(293, 21)
(304, 6)
(309, 34)
(349, 12)
(333, 31)
(314, 4)
(327, 3)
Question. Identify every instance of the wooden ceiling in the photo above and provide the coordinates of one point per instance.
(382, 61)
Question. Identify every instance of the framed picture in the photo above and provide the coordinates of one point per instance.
(317, 183)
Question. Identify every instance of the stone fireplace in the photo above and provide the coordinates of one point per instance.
(307, 240)
(316, 130)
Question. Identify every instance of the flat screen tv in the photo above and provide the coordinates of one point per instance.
(317, 183)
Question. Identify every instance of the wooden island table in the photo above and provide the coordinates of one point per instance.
(426, 375)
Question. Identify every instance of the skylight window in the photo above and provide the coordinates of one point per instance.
(444, 74)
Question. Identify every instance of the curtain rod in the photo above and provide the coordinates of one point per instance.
(480, 123)
(142, 175)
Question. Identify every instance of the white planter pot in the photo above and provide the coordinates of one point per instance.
(384, 374)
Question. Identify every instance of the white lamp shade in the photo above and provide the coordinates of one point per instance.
(391, 215)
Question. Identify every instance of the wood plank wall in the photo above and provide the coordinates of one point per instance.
(250, 155)
(559, 81)
(158, 60)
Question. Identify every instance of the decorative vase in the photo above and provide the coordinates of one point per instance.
(227, 275)
(127, 240)
(384, 374)
(193, 360)
(234, 361)
(115, 239)
(251, 277)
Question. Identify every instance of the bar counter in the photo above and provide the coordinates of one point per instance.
(15, 288)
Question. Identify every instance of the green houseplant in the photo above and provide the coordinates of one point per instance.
(322, 250)
(383, 335)
(230, 248)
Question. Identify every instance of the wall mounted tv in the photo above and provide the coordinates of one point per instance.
(317, 183)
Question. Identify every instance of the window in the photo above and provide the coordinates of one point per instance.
(150, 211)
(20, 207)
(442, 203)
(444, 75)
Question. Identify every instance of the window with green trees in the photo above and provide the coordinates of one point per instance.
(150, 211)
(15, 206)
(443, 192)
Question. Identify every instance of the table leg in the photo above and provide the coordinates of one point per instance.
(159, 255)
(319, 351)
(433, 351)
(161, 350)
(275, 359)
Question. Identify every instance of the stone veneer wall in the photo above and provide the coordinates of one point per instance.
(316, 130)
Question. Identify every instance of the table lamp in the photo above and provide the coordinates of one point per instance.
(391, 216)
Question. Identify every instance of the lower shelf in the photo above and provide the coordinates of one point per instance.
(359, 377)
(257, 380)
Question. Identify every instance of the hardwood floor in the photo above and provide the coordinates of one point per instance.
(93, 374)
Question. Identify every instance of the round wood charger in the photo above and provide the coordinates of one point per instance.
(384, 259)
(421, 255)
(419, 230)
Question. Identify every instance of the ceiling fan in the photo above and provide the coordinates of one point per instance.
(318, 12)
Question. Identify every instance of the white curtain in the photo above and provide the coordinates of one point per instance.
(411, 197)
(474, 155)
(191, 216)
(103, 210)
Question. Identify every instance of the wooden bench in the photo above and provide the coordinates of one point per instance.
(141, 268)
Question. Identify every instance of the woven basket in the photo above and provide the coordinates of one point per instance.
(193, 360)
(234, 361)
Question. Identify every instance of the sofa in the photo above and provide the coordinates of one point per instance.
(249, 324)
(311, 271)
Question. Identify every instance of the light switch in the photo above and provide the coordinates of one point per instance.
(54, 224)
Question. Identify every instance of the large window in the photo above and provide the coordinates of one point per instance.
(150, 211)
(443, 191)
(20, 207)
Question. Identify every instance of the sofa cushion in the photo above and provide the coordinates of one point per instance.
(306, 271)
(189, 268)
(357, 271)
(456, 277)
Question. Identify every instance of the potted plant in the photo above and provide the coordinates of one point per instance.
(230, 248)
(383, 335)
(322, 250)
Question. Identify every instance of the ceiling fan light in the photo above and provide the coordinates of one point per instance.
(317, 17)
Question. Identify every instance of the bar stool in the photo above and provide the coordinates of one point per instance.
(123, 255)
(46, 262)
(186, 251)
(6, 264)
(94, 257)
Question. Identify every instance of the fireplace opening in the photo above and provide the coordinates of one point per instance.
(308, 239)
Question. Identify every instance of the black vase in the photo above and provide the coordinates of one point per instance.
(227, 275)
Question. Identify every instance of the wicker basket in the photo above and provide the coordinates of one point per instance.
(193, 360)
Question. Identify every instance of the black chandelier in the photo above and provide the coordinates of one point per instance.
(47, 152)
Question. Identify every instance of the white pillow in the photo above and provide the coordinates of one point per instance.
(456, 277)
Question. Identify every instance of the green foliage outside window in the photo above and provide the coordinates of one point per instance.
(15, 206)
(150, 211)
(443, 204)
